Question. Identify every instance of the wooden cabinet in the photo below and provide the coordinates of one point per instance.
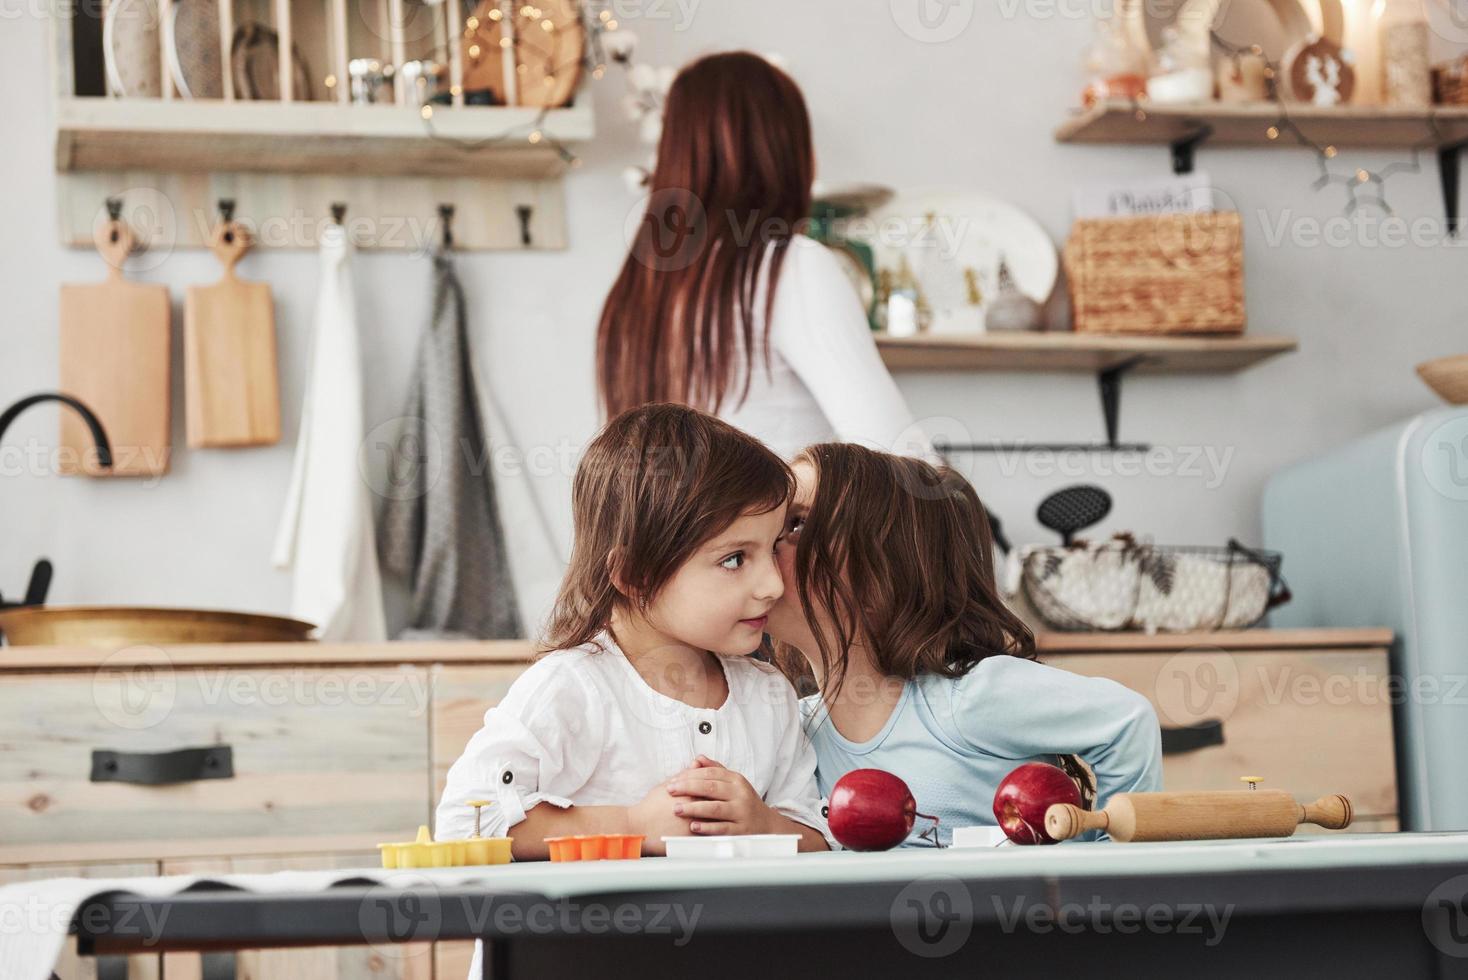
(332, 749)
(1308, 710)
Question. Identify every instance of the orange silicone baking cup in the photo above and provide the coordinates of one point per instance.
(595, 847)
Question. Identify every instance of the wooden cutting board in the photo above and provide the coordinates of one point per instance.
(231, 388)
(115, 356)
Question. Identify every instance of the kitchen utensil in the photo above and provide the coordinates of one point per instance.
(731, 846)
(131, 49)
(1121, 584)
(1198, 815)
(231, 390)
(1448, 376)
(191, 44)
(121, 626)
(115, 352)
(425, 852)
(255, 64)
(953, 242)
(595, 847)
(1073, 509)
(36, 589)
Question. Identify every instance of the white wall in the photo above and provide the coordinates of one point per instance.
(977, 111)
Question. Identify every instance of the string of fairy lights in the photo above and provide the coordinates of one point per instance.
(510, 28)
(1363, 187)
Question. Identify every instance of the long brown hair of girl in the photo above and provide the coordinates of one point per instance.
(654, 485)
(897, 554)
(732, 186)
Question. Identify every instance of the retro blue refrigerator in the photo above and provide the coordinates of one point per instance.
(1375, 533)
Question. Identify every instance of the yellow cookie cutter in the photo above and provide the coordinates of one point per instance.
(425, 852)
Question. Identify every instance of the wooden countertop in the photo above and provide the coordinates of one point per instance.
(35, 659)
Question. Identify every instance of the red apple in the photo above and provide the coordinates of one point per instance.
(1024, 796)
(872, 810)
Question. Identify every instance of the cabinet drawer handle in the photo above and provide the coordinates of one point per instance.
(1176, 741)
(162, 768)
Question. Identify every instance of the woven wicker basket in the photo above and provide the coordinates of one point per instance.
(1157, 274)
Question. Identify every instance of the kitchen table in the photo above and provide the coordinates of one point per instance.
(1328, 905)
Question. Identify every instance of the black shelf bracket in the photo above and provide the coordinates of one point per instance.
(1182, 149)
(1109, 383)
(1449, 160)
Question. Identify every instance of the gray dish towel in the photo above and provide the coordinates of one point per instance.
(439, 528)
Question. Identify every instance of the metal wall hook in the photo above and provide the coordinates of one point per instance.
(523, 212)
(446, 223)
(338, 212)
(114, 208)
(226, 209)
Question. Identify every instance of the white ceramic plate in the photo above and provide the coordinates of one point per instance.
(130, 49)
(733, 846)
(955, 255)
(191, 40)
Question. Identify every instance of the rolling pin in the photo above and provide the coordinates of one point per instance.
(1198, 815)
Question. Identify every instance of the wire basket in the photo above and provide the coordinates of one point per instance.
(1125, 585)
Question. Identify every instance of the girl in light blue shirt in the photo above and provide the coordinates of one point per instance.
(890, 607)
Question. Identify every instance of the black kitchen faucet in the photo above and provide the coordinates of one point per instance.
(35, 594)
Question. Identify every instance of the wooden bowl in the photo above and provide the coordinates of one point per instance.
(1448, 376)
(120, 626)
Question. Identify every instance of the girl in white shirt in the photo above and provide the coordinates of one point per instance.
(647, 716)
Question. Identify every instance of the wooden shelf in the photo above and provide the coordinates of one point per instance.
(1064, 351)
(185, 136)
(1247, 125)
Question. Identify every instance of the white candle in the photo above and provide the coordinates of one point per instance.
(1363, 19)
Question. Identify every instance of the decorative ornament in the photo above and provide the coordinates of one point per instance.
(1320, 72)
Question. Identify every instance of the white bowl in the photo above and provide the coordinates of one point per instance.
(733, 846)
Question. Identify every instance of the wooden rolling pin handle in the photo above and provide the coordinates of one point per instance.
(1065, 820)
(1330, 812)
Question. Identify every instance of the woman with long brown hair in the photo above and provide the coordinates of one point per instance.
(722, 303)
(890, 606)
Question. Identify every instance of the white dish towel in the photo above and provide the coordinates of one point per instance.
(326, 536)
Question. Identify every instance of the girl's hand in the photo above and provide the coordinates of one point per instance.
(655, 818)
(720, 801)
